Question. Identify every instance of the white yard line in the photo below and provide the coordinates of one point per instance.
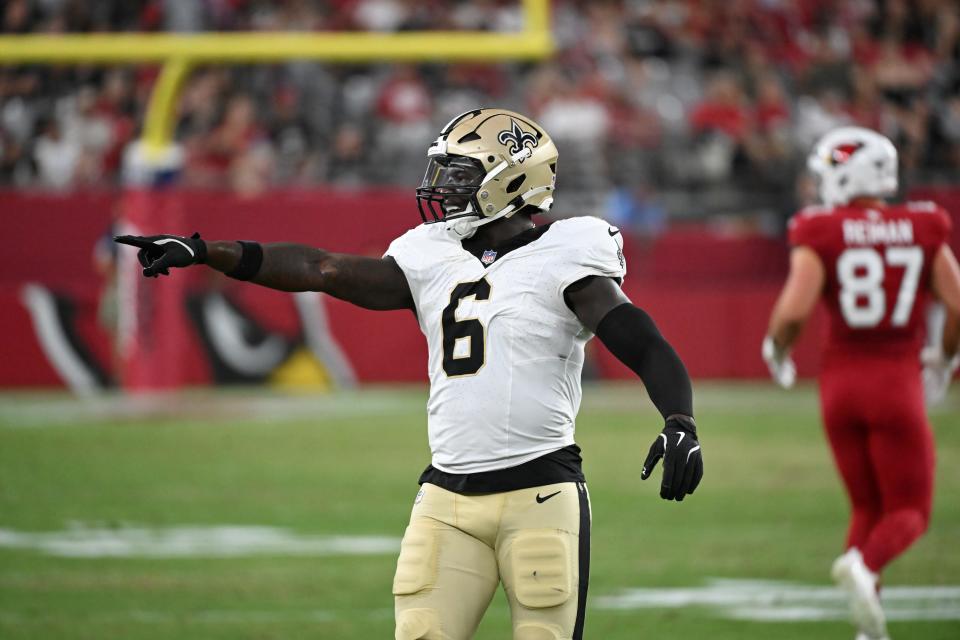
(261, 405)
(772, 601)
(204, 407)
(750, 600)
(213, 616)
(229, 541)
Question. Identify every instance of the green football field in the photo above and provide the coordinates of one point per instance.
(245, 514)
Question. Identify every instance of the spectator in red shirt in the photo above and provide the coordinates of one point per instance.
(404, 108)
(771, 112)
(723, 109)
(404, 98)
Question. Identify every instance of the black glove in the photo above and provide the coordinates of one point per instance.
(158, 253)
(677, 444)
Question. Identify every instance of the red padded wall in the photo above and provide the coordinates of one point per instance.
(710, 292)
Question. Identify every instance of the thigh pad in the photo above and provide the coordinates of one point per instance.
(417, 564)
(541, 564)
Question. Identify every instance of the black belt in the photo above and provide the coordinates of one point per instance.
(562, 465)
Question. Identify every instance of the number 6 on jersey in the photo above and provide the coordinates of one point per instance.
(464, 341)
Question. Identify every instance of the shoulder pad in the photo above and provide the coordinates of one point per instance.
(585, 229)
(815, 210)
(923, 206)
(423, 245)
(808, 226)
(588, 246)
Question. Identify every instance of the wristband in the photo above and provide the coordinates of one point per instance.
(251, 258)
(681, 421)
(199, 248)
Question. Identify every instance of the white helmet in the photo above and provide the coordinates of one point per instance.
(850, 162)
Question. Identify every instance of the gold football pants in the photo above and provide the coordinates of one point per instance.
(458, 548)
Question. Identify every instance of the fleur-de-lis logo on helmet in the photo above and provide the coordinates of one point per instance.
(515, 139)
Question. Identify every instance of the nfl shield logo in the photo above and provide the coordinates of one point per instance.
(488, 257)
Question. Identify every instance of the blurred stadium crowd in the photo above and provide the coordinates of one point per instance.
(679, 107)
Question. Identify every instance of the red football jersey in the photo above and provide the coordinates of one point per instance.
(878, 262)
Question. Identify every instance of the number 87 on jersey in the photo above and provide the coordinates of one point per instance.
(877, 267)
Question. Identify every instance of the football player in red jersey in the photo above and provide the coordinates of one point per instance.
(876, 266)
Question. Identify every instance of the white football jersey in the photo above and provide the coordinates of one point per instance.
(505, 351)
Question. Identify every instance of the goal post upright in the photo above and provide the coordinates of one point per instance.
(152, 323)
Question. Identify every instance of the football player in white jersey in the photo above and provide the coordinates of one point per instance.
(506, 307)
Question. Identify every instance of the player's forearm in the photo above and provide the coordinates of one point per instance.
(946, 287)
(371, 283)
(798, 298)
(785, 331)
(286, 267)
(631, 335)
(951, 335)
(786, 321)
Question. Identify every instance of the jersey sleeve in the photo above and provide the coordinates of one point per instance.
(591, 248)
(935, 222)
(409, 252)
(807, 228)
(943, 226)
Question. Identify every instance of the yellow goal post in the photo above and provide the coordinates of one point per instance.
(180, 53)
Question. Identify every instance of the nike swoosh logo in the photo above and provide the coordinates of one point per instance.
(680, 439)
(169, 240)
(613, 231)
(545, 498)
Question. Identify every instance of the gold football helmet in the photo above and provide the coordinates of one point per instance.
(487, 164)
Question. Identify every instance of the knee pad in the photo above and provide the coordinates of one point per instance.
(914, 520)
(541, 563)
(534, 631)
(417, 564)
(418, 624)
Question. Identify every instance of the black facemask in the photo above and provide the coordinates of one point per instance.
(449, 188)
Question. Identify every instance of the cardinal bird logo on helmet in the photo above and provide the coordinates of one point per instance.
(515, 139)
(851, 162)
(841, 153)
